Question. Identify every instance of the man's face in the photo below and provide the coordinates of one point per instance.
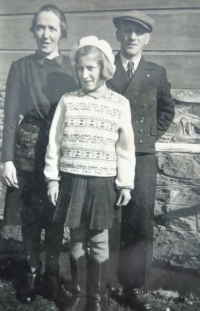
(132, 38)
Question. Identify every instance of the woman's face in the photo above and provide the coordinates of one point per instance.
(47, 33)
(89, 73)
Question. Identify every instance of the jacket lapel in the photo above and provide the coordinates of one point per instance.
(142, 77)
(120, 79)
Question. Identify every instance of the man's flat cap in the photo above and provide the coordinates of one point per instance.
(136, 17)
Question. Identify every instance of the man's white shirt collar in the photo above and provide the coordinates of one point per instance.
(126, 61)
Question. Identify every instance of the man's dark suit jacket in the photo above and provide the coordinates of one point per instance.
(151, 104)
(152, 109)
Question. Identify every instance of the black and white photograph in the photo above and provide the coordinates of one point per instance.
(99, 155)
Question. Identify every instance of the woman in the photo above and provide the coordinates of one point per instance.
(34, 86)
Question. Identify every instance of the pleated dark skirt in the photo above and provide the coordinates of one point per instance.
(87, 201)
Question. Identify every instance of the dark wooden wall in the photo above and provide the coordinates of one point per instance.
(175, 42)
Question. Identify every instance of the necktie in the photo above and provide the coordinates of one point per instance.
(130, 70)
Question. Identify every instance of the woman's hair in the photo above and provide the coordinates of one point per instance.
(55, 10)
(107, 70)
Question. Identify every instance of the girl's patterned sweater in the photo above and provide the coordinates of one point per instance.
(84, 138)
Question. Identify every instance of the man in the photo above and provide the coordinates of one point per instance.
(146, 86)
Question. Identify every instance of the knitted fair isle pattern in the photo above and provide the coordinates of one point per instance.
(91, 132)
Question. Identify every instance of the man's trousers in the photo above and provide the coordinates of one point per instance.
(136, 242)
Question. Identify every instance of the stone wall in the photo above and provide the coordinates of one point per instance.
(177, 208)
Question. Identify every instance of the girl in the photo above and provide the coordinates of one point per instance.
(91, 141)
(34, 86)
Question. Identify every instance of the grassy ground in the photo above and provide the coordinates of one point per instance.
(179, 291)
(8, 301)
(160, 301)
(167, 289)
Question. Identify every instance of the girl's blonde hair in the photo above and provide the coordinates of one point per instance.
(107, 70)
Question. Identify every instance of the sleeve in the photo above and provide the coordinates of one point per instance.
(11, 113)
(53, 153)
(125, 150)
(165, 106)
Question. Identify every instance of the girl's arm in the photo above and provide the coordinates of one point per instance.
(53, 154)
(125, 150)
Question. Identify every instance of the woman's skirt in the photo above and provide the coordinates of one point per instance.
(28, 203)
(87, 201)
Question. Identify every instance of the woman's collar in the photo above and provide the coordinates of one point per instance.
(40, 59)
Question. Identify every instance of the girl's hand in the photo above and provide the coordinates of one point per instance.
(124, 197)
(52, 194)
(10, 174)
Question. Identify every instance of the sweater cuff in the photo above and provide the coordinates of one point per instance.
(52, 183)
(120, 185)
(52, 179)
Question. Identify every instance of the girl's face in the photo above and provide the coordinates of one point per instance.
(47, 33)
(89, 72)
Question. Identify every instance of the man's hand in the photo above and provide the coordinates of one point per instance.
(10, 174)
(52, 194)
(124, 197)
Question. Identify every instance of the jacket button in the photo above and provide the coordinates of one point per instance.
(144, 106)
(142, 119)
(140, 131)
(140, 141)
